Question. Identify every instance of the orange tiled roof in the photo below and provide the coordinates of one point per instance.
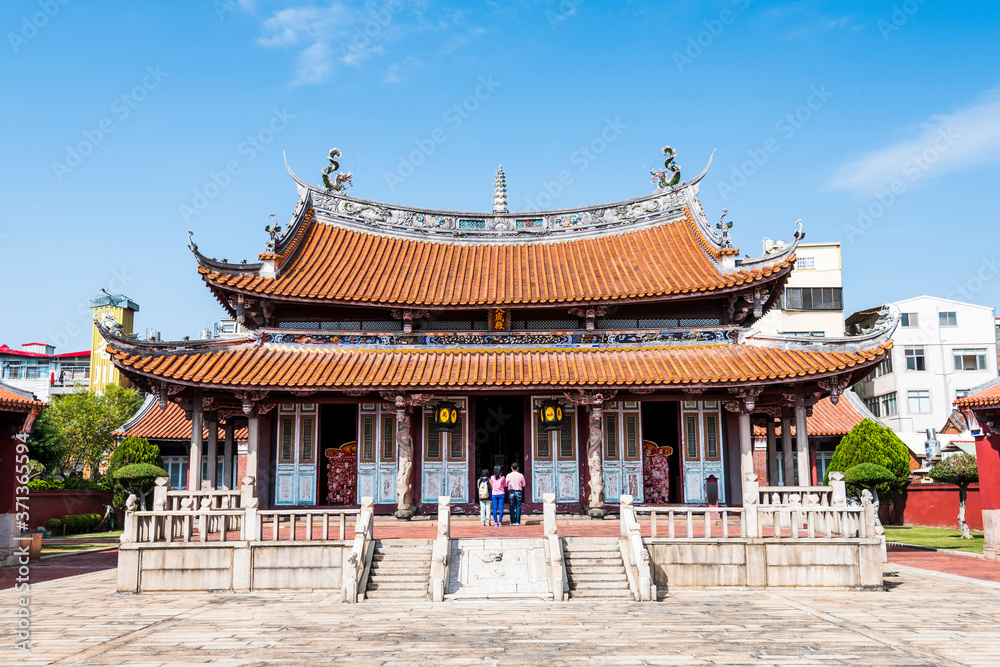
(827, 419)
(338, 367)
(987, 398)
(170, 424)
(14, 402)
(337, 264)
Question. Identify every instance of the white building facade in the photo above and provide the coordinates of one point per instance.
(812, 303)
(941, 350)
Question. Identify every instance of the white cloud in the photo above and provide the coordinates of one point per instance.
(967, 138)
(402, 70)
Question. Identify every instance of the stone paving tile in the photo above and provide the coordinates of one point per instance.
(63, 566)
(922, 619)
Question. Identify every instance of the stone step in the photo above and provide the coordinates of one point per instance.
(588, 558)
(393, 568)
(593, 553)
(383, 558)
(594, 573)
(394, 585)
(611, 543)
(403, 544)
(624, 594)
(599, 586)
(395, 595)
(398, 576)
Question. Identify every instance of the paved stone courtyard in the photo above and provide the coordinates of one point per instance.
(924, 618)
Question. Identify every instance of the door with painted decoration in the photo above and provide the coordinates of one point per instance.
(445, 464)
(377, 452)
(295, 480)
(554, 467)
(622, 451)
(701, 451)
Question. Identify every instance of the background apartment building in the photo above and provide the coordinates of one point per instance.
(812, 303)
(941, 350)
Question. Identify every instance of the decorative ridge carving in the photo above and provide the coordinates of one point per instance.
(879, 336)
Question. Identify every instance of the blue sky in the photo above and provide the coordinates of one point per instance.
(126, 124)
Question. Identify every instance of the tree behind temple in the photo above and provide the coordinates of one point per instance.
(84, 422)
(870, 443)
(960, 470)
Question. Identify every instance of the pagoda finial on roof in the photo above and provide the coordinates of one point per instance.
(500, 192)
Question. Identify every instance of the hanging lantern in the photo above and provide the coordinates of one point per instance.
(550, 415)
(445, 416)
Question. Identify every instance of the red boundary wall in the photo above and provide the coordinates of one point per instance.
(45, 505)
(936, 506)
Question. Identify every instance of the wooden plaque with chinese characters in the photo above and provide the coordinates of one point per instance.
(499, 319)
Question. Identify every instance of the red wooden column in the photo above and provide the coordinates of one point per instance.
(988, 462)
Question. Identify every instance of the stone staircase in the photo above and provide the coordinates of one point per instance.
(595, 569)
(400, 570)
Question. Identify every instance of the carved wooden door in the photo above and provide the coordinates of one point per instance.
(295, 479)
(554, 467)
(622, 451)
(445, 462)
(377, 452)
(701, 449)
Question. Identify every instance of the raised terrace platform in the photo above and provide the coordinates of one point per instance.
(221, 541)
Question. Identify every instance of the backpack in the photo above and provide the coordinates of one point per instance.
(484, 489)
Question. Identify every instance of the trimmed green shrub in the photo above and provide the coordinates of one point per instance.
(53, 525)
(138, 478)
(76, 523)
(867, 475)
(72, 484)
(45, 485)
(130, 450)
(870, 443)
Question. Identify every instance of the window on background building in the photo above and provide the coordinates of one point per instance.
(962, 393)
(918, 401)
(805, 263)
(872, 405)
(909, 320)
(884, 367)
(970, 360)
(888, 405)
(812, 298)
(948, 319)
(823, 460)
(914, 358)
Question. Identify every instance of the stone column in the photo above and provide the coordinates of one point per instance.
(253, 445)
(595, 462)
(772, 453)
(802, 443)
(212, 450)
(404, 461)
(227, 456)
(194, 453)
(786, 449)
(746, 451)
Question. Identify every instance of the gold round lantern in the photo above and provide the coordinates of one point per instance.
(550, 415)
(445, 416)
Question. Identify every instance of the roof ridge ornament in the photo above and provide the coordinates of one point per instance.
(341, 181)
(724, 226)
(500, 192)
(273, 230)
(662, 179)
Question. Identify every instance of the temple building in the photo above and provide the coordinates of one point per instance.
(394, 352)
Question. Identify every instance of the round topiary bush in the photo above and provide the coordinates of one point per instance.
(138, 478)
(870, 443)
(130, 450)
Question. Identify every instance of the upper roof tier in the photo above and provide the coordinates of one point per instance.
(340, 249)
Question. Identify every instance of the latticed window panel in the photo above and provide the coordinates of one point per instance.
(617, 324)
(472, 224)
(535, 223)
(342, 325)
(705, 322)
(551, 324)
(445, 325)
(298, 325)
(480, 326)
(656, 324)
(383, 325)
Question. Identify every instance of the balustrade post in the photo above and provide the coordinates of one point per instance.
(549, 514)
(129, 529)
(444, 517)
(248, 491)
(751, 498)
(160, 488)
(626, 515)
